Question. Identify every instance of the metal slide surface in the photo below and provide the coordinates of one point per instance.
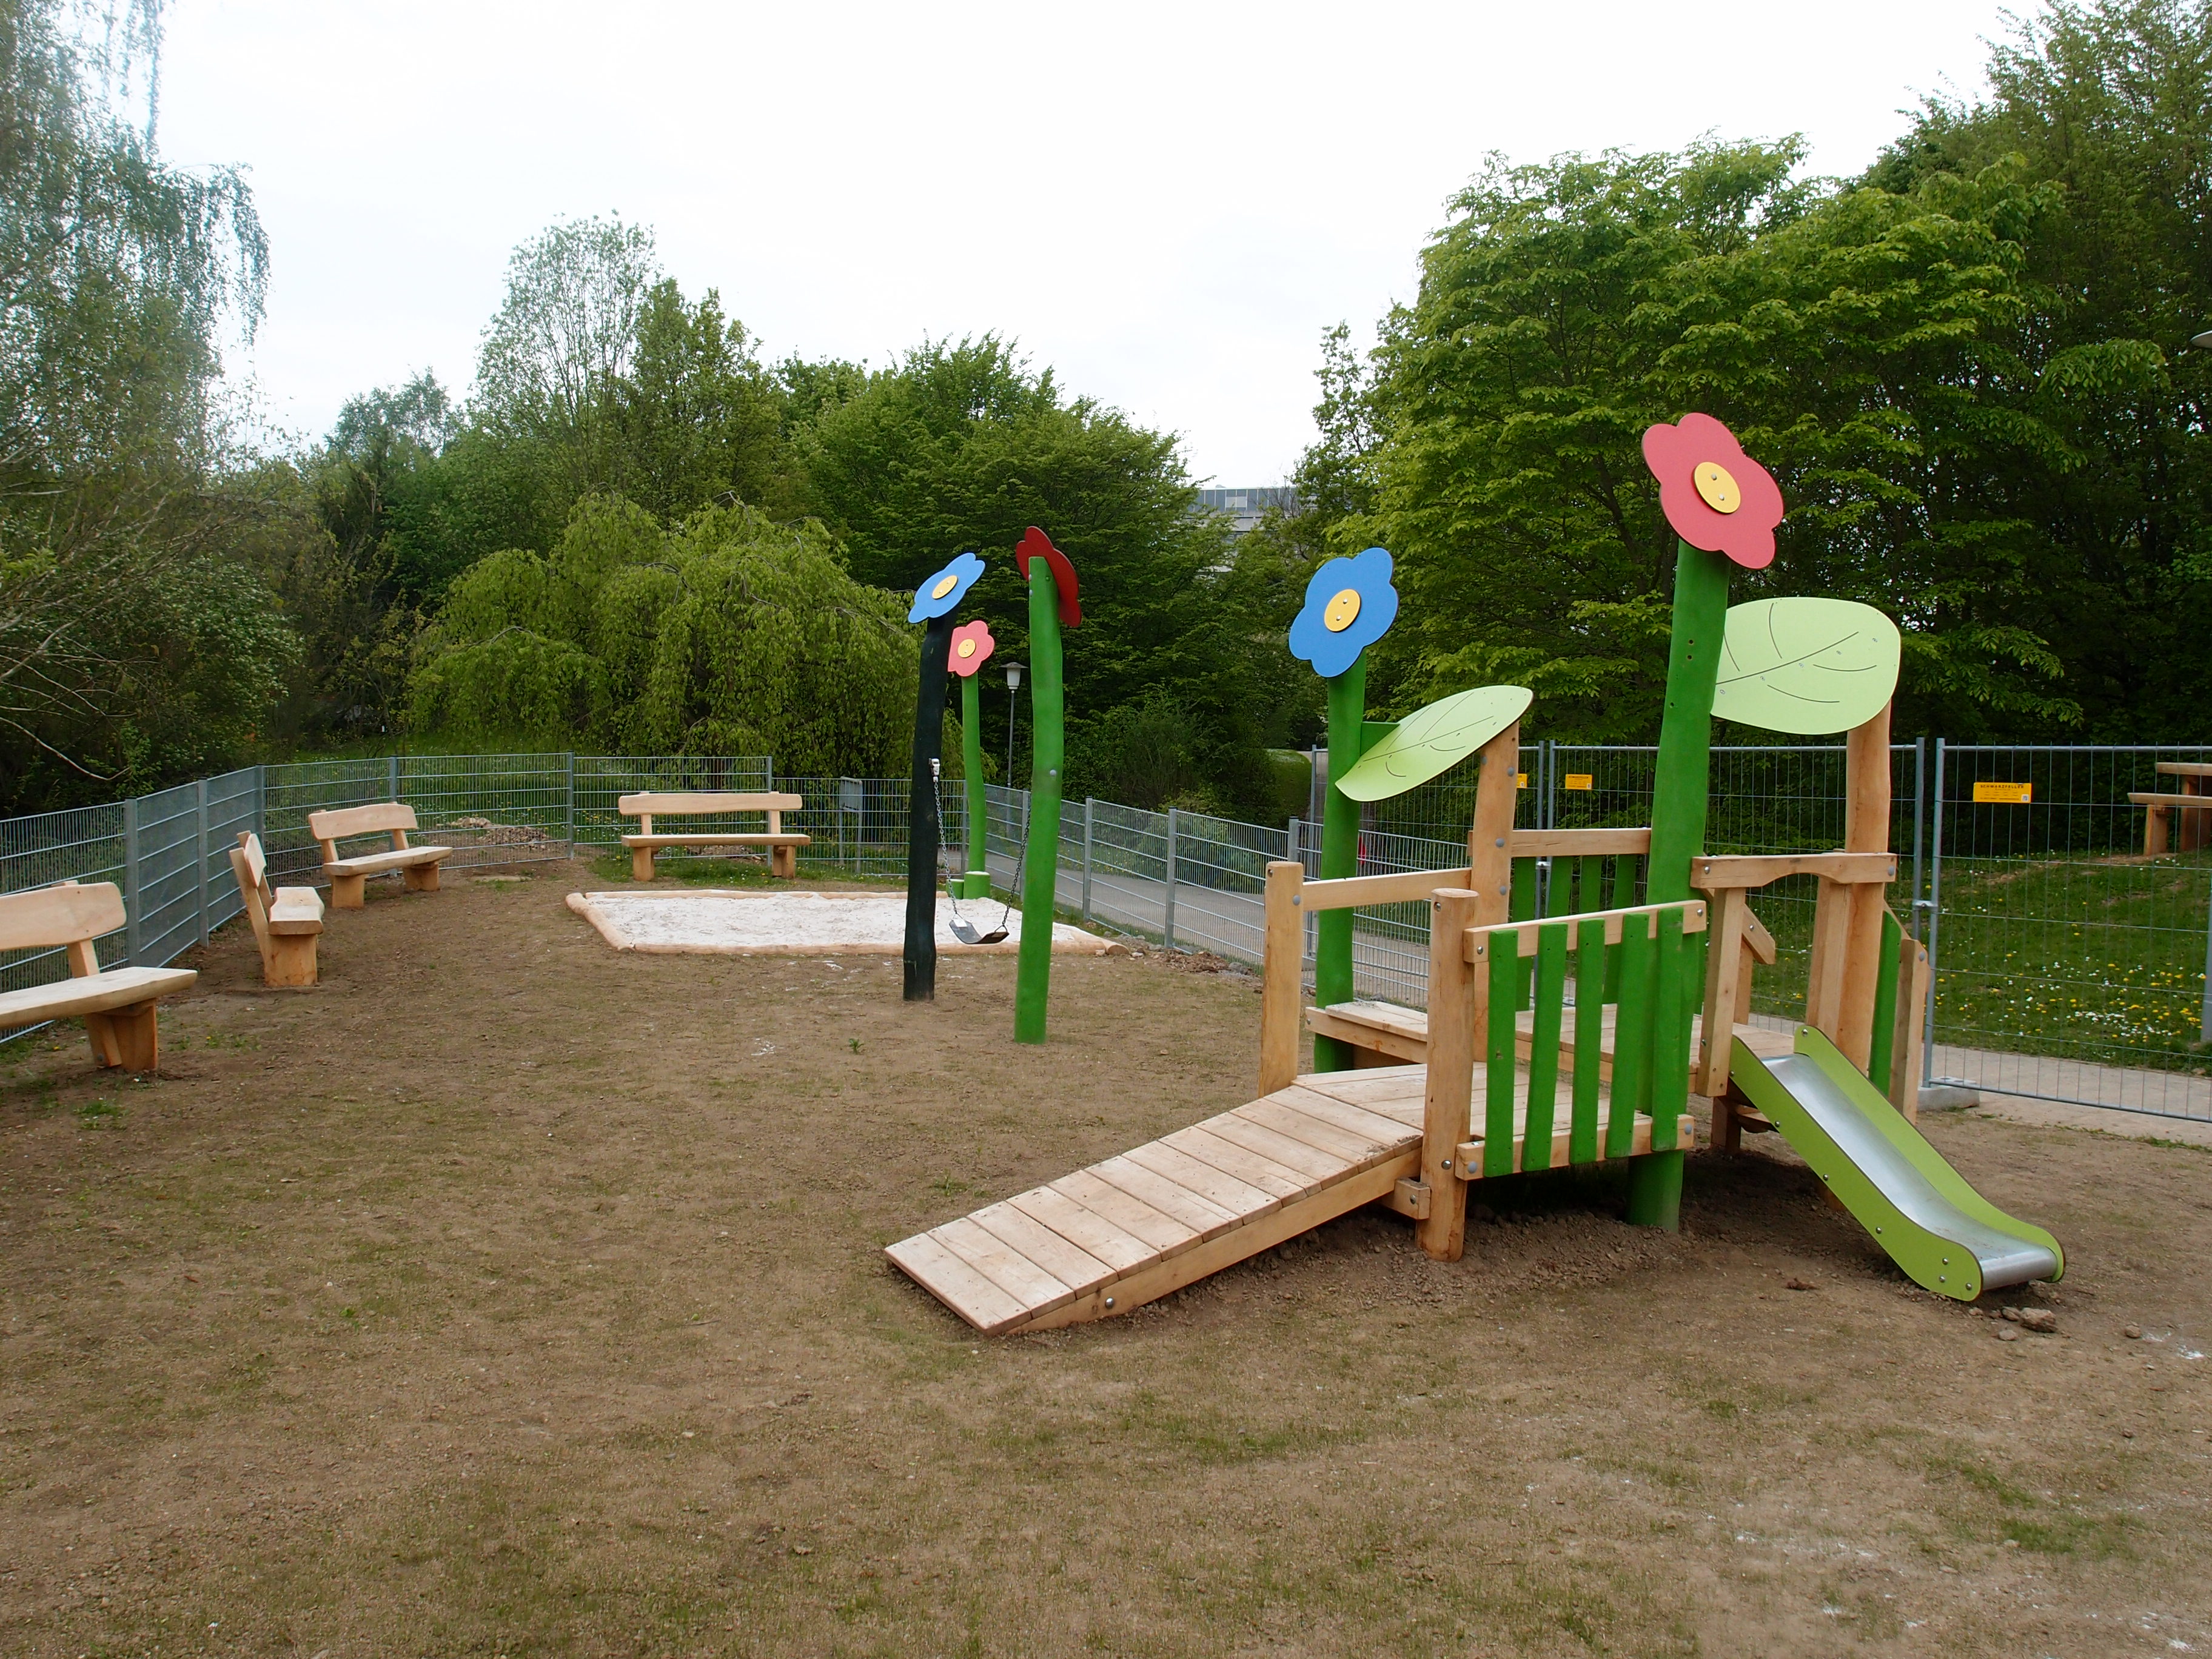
(1945, 1235)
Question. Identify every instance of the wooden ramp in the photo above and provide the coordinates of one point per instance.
(1132, 1229)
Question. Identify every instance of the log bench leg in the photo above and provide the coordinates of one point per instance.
(292, 959)
(127, 1037)
(641, 863)
(349, 892)
(783, 861)
(420, 877)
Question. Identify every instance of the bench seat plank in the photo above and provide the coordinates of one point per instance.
(91, 994)
(400, 858)
(297, 911)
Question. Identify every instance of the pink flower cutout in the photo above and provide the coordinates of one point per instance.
(1063, 573)
(972, 645)
(1716, 496)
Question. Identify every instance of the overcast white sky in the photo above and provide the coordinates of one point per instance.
(1167, 203)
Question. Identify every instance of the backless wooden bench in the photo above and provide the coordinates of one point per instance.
(116, 1004)
(417, 865)
(287, 921)
(782, 849)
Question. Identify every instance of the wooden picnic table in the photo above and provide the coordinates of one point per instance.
(2190, 803)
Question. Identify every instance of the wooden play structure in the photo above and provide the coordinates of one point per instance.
(116, 1004)
(2179, 821)
(1569, 1021)
(782, 847)
(287, 921)
(417, 866)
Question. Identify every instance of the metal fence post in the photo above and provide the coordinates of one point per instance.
(1934, 922)
(1168, 918)
(392, 777)
(200, 837)
(570, 755)
(1089, 808)
(133, 927)
(261, 802)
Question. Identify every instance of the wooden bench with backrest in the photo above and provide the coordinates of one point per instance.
(417, 865)
(287, 921)
(782, 848)
(116, 1004)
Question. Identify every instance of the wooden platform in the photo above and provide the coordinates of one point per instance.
(1132, 1229)
(1403, 1033)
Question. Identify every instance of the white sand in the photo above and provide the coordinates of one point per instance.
(720, 922)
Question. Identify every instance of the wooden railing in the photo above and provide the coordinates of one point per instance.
(1650, 1045)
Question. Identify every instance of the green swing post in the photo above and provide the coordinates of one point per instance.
(976, 884)
(1339, 854)
(1033, 976)
(1681, 780)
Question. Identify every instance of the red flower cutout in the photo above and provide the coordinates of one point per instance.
(972, 645)
(1063, 573)
(1716, 496)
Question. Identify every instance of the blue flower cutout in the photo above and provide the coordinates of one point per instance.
(941, 592)
(1350, 604)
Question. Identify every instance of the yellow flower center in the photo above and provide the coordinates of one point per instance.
(1716, 487)
(945, 584)
(1341, 611)
(967, 648)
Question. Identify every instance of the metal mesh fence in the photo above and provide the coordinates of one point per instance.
(2071, 963)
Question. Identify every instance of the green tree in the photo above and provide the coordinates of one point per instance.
(964, 445)
(134, 644)
(731, 635)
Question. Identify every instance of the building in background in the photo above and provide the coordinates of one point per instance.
(1246, 506)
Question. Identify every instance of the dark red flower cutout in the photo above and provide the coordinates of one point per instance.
(1063, 573)
(1716, 496)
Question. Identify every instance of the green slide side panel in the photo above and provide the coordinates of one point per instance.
(1947, 1265)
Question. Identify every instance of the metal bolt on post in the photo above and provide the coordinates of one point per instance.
(1167, 917)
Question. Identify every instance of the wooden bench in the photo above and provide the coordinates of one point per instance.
(116, 1004)
(782, 848)
(287, 921)
(2185, 810)
(417, 865)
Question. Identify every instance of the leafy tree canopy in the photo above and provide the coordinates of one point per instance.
(1980, 425)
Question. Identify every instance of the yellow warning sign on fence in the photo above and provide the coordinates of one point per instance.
(1581, 781)
(2003, 794)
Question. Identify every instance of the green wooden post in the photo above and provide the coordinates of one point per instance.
(1040, 881)
(1339, 854)
(1550, 997)
(978, 882)
(1589, 1024)
(1504, 947)
(1682, 778)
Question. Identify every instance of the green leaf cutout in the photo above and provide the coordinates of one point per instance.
(1433, 739)
(1806, 666)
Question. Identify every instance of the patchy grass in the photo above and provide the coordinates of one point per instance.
(504, 1294)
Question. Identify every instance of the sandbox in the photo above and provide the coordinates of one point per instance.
(723, 921)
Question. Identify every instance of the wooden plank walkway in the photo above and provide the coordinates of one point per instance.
(1140, 1225)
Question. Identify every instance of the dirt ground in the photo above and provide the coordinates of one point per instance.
(507, 1296)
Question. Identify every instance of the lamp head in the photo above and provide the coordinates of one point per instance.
(2202, 341)
(1014, 676)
